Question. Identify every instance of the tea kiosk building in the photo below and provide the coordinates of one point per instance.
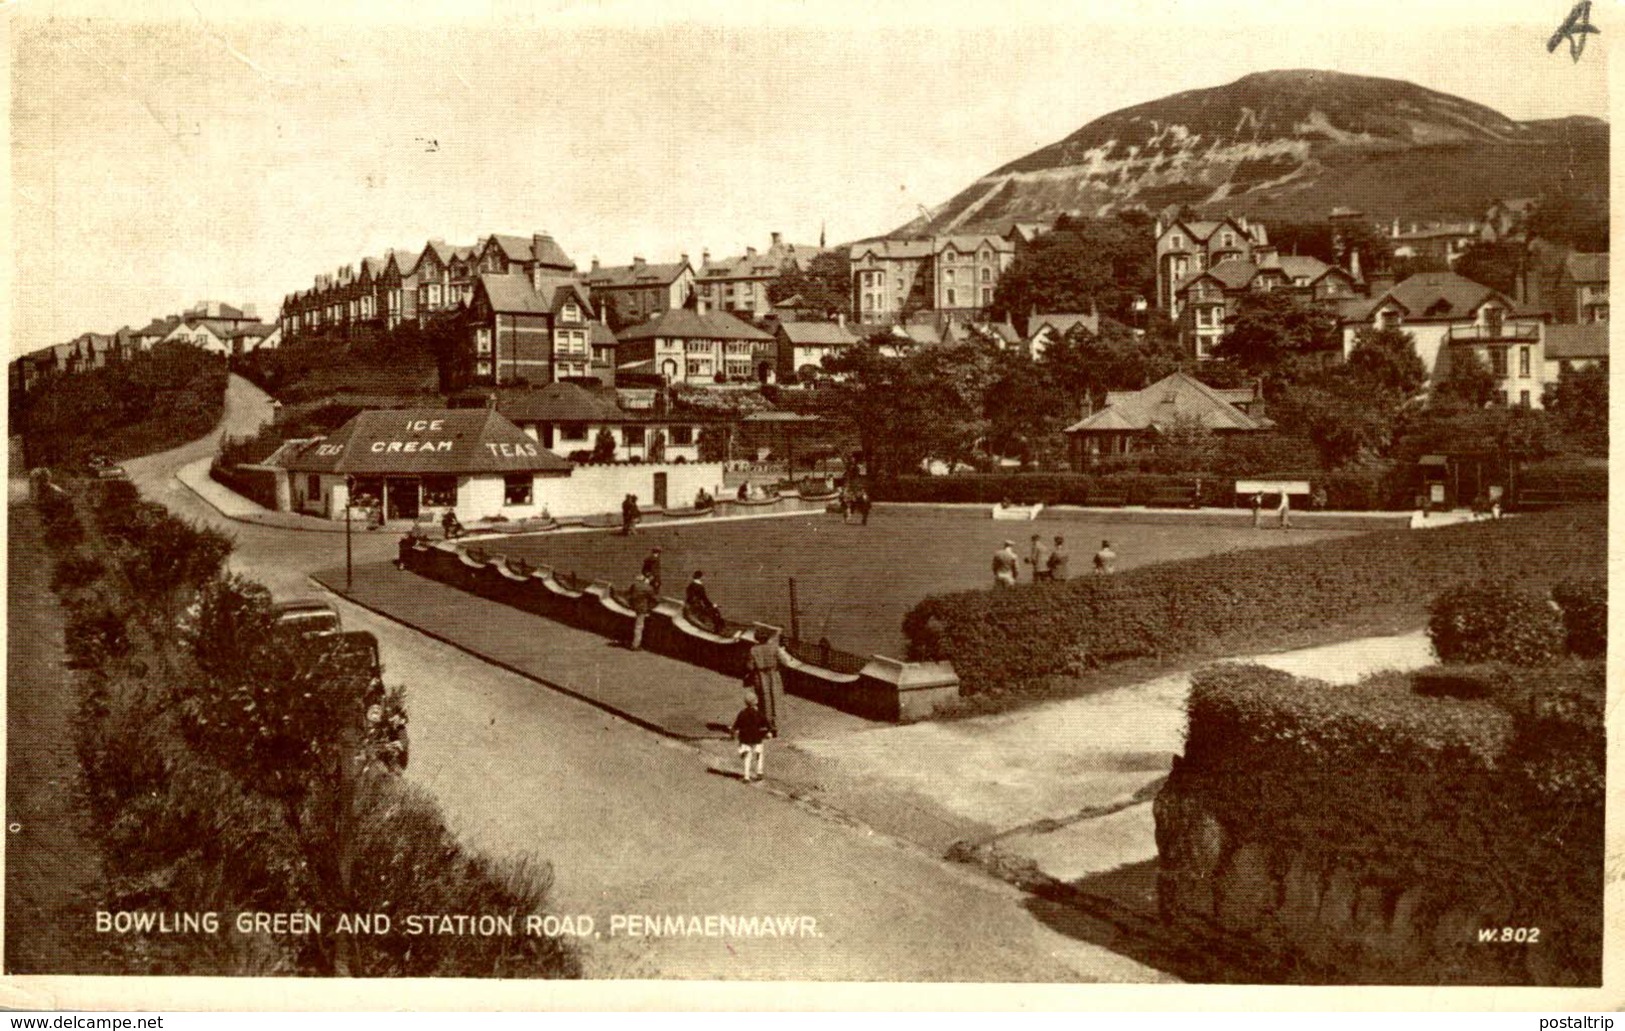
(417, 463)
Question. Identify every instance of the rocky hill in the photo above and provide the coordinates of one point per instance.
(1291, 145)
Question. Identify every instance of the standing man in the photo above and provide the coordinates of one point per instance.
(651, 569)
(1005, 564)
(1258, 508)
(762, 676)
(863, 505)
(1105, 559)
(641, 599)
(1038, 558)
(1285, 510)
(629, 515)
(1058, 560)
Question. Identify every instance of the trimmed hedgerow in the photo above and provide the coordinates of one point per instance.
(1494, 621)
(1585, 616)
(1009, 640)
(1346, 490)
(1495, 804)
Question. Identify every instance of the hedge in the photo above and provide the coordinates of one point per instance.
(1009, 639)
(1585, 616)
(1347, 490)
(1495, 802)
(1494, 621)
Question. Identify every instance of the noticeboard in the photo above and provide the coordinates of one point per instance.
(1272, 486)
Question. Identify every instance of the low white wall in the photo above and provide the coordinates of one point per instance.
(594, 489)
(588, 490)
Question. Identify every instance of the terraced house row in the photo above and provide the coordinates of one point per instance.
(383, 292)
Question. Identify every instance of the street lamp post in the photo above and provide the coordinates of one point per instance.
(349, 554)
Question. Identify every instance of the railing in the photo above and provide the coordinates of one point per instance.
(1483, 334)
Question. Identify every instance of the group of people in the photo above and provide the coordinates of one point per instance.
(1283, 510)
(855, 502)
(1049, 564)
(644, 594)
(631, 515)
(758, 719)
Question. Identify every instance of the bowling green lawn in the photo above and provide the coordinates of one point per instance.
(854, 583)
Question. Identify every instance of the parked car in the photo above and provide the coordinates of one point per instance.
(307, 616)
(104, 468)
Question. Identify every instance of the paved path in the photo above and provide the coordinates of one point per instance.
(673, 698)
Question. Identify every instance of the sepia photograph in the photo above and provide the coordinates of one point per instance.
(924, 494)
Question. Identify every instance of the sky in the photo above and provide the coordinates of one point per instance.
(166, 153)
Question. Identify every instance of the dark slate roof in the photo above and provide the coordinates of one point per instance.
(426, 441)
(602, 335)
(892, 249)
(686, 323)
(608, 277)
(561, 402)
(1588, 340)
(521, 248)
(513, 292)
(829, 334)
(1587, 268)
(158, 327)
(1062, 322)
(1442, 293)
(1177, 396)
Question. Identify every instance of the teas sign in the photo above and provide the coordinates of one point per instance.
(512, 450)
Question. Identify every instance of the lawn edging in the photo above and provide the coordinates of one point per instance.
(884, 689)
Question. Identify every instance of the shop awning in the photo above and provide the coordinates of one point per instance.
(425, 441)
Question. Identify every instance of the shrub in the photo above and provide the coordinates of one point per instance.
(1494, 621)
(75, 570)
(1216, 601)
(1494, 804)
(96, 634)
(59, 517)
(1584, 604)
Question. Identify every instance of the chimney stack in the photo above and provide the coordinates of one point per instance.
(750, 252)
(683, 257)
(705, 257)
(595, 263)
(778, 239)
(637, 261)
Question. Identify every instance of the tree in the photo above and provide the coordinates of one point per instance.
(825, 285)
(287, 716)
(926, 403)
(1025, 410)
(713, 443)
(1386, 360)
(603, 447)
(1272, 329)
(1571, 219)
(1467, 383)
(1578, 402)
(1496, 264)
(1345, 420)
(1079, 264)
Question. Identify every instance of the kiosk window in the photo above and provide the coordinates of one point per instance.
(516, 489)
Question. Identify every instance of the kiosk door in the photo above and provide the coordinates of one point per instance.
(401, 497)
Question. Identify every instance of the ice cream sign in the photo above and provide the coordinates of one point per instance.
(411, 447)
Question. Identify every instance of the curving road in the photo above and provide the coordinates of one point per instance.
(634, 824)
